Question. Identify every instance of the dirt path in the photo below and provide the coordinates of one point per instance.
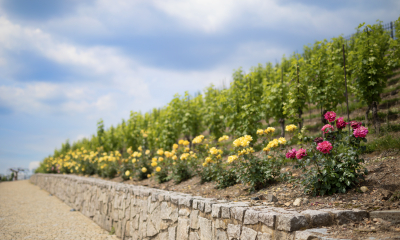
(27, 212)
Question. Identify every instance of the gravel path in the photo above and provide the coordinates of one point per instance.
(26, 212)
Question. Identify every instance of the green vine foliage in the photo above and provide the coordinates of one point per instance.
(277, 93)
(297, 93)
(370, 62)
(316, 68)
(213, 112)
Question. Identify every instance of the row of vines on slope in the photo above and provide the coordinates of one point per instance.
(281, 92)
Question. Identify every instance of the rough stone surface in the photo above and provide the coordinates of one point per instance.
(392, 216)
(268, 218)
(297, 202)
(233, 231)
(264, 236)
(347, 216)
(205, 228)
(183, 228)
(318, 218)
(138, 212)
(291, 222)
(251, 217)
(194, 236)
(248, 234)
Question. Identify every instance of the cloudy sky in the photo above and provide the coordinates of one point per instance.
(66, 64)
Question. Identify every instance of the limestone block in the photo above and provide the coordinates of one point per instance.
(208, 206)
(200, 204)
(183, 229)
(165, 211)
(268, 218)
(225, 211)
(135, 222)
(134, 211)
(154, 196)
(175, 199)
(151, 229)
(216, 210)
(153, 206)
(205, 228)
(155, 218)
(318, 218)
(161, 196)
(290, 222)
(251, 217)
(194, 236)
(264, 236)
(128, 213)
(221, 235)
(194, 219)
(187, 202)
(163, 236)
(219, 224)
(174, 214)
(184, 212)
(164, 224)
(144, 193)
(248, 234)
(392, 216)
(346, 216)
(172, 233)
(233, 231)
(238, 213)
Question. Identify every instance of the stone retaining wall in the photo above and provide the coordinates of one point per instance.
(137, 212)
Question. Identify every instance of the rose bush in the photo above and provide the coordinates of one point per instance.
(332, 163)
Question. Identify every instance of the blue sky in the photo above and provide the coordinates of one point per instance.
(66, 64)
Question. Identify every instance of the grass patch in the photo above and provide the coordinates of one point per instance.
(393, 81)
(386, 90)
(383, 143)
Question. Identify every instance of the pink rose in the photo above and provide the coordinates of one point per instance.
(330, 116)
(327, 128)
(360, 132)
(301, 153)
(324, 147)
(355, 124)
(340, 123)
(291, 153)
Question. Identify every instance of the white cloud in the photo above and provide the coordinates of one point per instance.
(33, 165)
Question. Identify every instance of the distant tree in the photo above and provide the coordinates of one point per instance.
(15, 172)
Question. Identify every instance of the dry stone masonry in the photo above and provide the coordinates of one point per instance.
(137, 212)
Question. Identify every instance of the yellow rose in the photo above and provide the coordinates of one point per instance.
(160, 159)
(160, 152)
(214, 151)
(175, 146)
(153, 164)
(282, 140)
(127, 173)
(144, 170)
(158, 169)
(147, 152)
